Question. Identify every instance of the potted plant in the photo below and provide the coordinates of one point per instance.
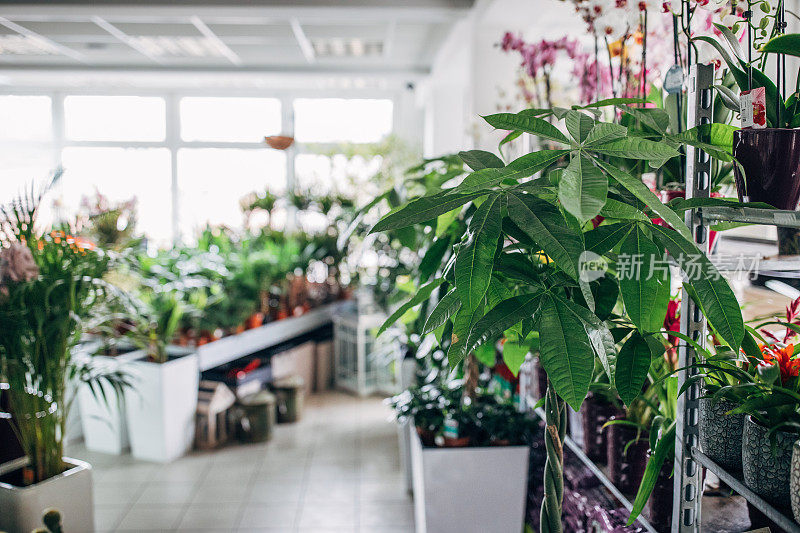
(50, 289)
(450, 481)
(600, 406)
(523, 264)
(769, 152)
(161, 405)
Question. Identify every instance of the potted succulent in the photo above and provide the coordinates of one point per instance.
(50, 289)
(161, 406)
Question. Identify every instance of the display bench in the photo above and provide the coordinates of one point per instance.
(248, 342)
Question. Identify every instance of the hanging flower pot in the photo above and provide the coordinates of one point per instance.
(771, 162)
(595, 412)
(626, 456)
(794, 481)
(765, 472)
(720, 433)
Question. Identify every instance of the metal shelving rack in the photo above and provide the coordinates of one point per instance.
(689, 459)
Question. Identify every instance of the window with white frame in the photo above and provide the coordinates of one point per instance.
(188, 161)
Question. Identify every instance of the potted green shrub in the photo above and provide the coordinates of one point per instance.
(522, 264)
(51, 288)
(161, 405)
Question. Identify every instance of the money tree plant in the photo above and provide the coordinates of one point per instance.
(554, 240)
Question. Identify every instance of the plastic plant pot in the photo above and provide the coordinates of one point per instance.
(595, 412)
(720, 433)
(771, 162)
(767, 473)
(626, 457)
(289, 393)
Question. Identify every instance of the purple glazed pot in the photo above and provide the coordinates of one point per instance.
(771, 162)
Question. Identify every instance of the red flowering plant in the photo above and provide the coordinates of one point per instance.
(763, 379)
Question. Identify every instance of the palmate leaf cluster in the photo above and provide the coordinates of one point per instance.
(516, 269)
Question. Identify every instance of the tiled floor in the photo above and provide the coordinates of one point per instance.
(337, 470)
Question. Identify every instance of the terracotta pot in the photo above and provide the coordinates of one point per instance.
(794, 481)
(771, 161)
(594, 414)
(659, 506)
(626, 467)
(721, 434)
(461, 442)
(427, 436)
(279, 142)
(765, 473)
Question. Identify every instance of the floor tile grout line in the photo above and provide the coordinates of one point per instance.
(246, 500)
(133, 501)
(195, 490)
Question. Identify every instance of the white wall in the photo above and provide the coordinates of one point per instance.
(470, 70)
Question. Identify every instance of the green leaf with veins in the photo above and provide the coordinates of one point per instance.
(545, 224)
(605, 132)
(501, 317)
(423, 209)
(578, 125)
(522, 167)
(645, 284)
(475, 259)
(583, 188)
(633, 362)
(480, 159)
(423, 294)
(528, 124)
(646, 196)
(565, 350)
(446, 308)
(604, 238)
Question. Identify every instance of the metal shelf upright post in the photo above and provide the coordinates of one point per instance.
(689, 459)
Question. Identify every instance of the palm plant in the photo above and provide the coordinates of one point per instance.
(50, 289)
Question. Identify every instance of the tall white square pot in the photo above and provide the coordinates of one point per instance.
(103, 416)
(161, 406)
(469, 489)
(21, 508)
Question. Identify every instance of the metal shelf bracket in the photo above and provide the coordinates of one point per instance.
(688, 481)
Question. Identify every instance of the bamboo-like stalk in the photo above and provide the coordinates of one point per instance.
(556, 420)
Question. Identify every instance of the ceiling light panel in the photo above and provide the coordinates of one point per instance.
(164, 46)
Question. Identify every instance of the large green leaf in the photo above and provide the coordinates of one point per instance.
(522, 167)
(633, 362)
(583, 188)
(788, 44)
(528, 124)
(474, 261)
(545, 224)
(640, 191)
(603, 238)
(578, 125)
(423, 294)
(715, 295)
(463, 323)
(422, 210)
(655, 118)
(565, 350)
(622, 211)
(638, 148)
(514, 355)
(502, 316)
(600, 336)
(605, 132)
(643, 281)
(480, 159)
(446, 308)
(614, 101)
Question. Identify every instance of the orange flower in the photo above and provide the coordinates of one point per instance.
(783, 357)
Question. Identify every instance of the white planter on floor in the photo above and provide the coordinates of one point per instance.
(469, 489)
(105, 428)
(21, 508)
(161, 406)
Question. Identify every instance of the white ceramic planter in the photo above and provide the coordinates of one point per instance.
(105, 428)
(469, 489)
(161, 406)
(21, 508)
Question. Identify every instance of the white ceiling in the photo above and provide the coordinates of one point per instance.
(257, 36)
